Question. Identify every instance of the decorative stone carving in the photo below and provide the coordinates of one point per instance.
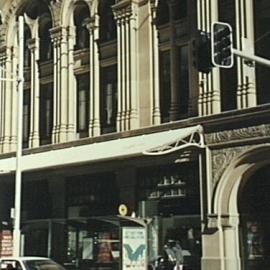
(222, 158)
(238, 134)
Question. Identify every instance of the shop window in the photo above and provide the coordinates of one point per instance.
(94, 244)
(83, 104)
(171, 193)
(39, 207)
(46, 113)
(26, 117)
(174, 188)
(254, 209)
(92, 195)
(108, 99)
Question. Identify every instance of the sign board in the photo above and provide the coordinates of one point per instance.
(134, 248)
(6, 243)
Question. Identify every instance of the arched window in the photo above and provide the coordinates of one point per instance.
(81, 18)
(107, 30)
(27, 53)
(46, 52)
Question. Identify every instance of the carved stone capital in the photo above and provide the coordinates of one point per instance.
(122, 10)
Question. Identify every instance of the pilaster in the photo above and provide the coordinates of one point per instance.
(94, 118)
(2, 96)
(209, 84)
(154, 66)
(246, 86)
(126, 16)
(56, 40)
(34, 94)
(222, 231)
(71, 88)
(63, 126)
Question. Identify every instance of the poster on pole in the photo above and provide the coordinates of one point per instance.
(134, 248)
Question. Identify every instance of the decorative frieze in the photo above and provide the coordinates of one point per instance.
(238, 134)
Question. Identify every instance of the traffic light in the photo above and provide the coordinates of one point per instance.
(202, 52)
(221, 45)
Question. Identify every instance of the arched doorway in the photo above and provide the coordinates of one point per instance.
(254, 209)
(231, 207)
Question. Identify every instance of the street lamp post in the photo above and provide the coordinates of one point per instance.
(18, 174)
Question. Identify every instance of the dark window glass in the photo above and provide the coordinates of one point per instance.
(163, 14)
(107, 23)
(165, 85)
(180, 9)
(109, 99)
(228, 76)
(182, 91)
(262, 44)
(81, 18)
(26, 117)
(95, 194)
(46, 52)
(46, 113)
(82, 104)
(27, 54)
(184, 80)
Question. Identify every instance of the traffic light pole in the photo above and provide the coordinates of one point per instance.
(254, 58)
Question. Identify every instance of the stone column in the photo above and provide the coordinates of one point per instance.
(154, 66)
(221, 233)
(62, 126)
(56, 40)
(34, 94)
(246, 86)
(2, 96)
(126, 17)
(209, 84)
(94, 117)
(71, 88)
(13, 101)
(7, 114)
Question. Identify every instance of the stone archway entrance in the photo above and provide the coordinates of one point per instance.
(254, 209)
(237, 201)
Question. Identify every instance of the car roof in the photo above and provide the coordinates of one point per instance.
(29, 258)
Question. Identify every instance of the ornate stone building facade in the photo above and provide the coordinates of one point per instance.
(115, 112)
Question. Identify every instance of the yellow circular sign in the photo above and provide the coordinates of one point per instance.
(122, 209)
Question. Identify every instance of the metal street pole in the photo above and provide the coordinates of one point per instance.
(255, 58)
(18, 175)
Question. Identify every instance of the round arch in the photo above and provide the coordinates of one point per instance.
(67, 10)
(226, 236)
(240, 169)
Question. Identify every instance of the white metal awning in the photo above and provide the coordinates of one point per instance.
(159, 143)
